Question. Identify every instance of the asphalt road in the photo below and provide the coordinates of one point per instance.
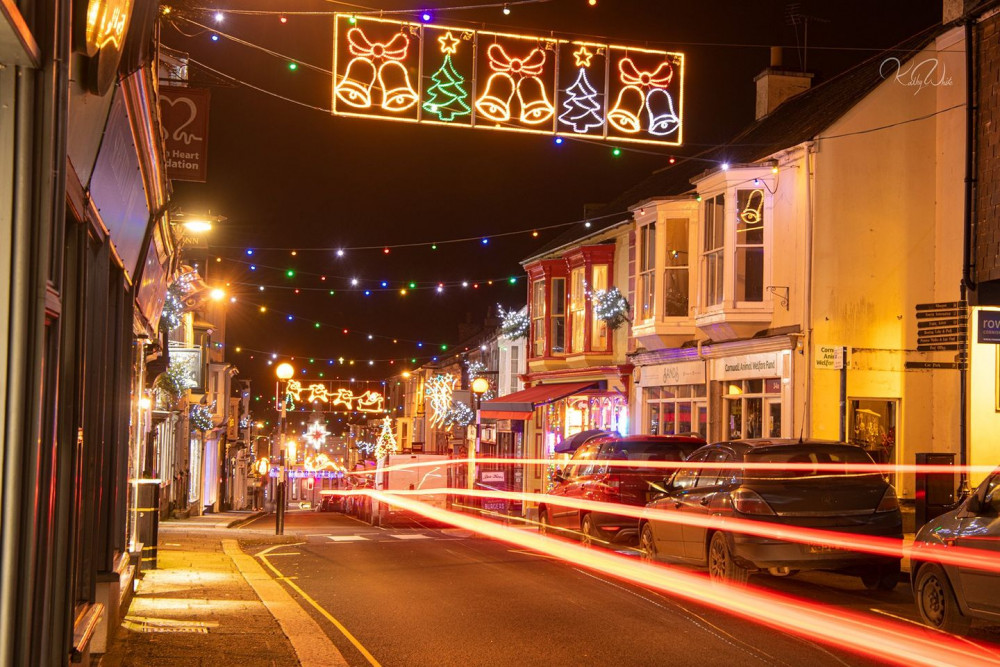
(415, 594)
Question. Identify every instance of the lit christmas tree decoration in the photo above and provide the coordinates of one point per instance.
(386, 443)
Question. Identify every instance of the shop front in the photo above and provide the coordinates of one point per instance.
(749, 396)
(673, 399)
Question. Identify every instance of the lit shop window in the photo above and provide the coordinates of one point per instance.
(713, 261)
(752, 408)
(675, 410)
(749, 262)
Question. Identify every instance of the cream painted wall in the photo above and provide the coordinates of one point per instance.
(888, 226)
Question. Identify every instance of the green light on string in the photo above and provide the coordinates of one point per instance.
(317, 326)
(293, 66)
(513, 280)
(352, 20)
(321, 375)
(413, 360)
(331, 292)
(444, 347)
(413, 286)
(290, 273)
(616, 152)
(434, 246)
(312, 361)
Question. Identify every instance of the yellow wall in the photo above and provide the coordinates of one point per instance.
(984, 423)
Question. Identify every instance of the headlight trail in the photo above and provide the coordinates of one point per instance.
(842, 468)
(873, 544)
(860, 633)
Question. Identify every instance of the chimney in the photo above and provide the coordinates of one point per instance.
(775, 84)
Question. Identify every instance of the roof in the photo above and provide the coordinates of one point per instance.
(799, 119)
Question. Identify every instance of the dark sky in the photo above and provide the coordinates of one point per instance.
(292, 177)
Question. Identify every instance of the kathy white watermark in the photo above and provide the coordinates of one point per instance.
(918, 74)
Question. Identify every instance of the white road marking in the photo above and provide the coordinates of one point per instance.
(411, 536)
(347, 538)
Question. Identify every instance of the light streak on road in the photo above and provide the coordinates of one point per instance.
(841, 468)
(881, 546)
(861, 633)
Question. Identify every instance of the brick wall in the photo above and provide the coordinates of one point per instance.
(987, 241)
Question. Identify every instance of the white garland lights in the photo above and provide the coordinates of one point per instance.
(513, 323)
(611, 307)
(460, 414)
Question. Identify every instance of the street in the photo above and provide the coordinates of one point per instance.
(417, 594)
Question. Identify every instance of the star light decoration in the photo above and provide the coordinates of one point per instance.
(316, 435)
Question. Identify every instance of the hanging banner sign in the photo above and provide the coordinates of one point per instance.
(184, 112)
(425, 73)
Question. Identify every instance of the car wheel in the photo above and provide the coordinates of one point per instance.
(721, 566)
(882, 577)
(936, 601)
(543, 521)
(588, 532)
(647, 545)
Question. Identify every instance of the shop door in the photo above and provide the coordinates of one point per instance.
(772, 417)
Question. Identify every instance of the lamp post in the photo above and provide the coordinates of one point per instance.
(284, 372)
(479, 387)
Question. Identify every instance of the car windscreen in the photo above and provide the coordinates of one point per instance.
(646, 450)
(803, 455)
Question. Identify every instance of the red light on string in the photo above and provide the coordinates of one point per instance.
(283, 19)
(385, 251)
(345, 332)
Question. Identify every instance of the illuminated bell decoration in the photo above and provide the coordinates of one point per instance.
(377, 60)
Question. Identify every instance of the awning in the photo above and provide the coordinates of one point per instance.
(521, 404)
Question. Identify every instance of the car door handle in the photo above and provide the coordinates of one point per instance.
(677, 504)
(704, 502)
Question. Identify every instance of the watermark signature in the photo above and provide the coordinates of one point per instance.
(919, 75)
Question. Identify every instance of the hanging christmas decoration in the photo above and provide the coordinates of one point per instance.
(365, 448)
(386, 443)
(447, 97)
(316, 435)
(459, 414)
(582, 110)
(376, 60)
(438, 391)
(611, 307)
(514, 324)
(475, 369)
(200, 416)
(172, 383)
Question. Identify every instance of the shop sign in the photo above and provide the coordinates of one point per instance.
(828, 356)
(687, 372)
(749, 366)
(492, 476)
(989, 327)
(184, 112)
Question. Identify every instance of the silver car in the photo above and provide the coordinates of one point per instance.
(948, 596)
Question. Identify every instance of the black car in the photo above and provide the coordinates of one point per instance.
(856, 503)
(330, 504)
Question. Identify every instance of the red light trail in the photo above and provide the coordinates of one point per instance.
(881, 546)
(860, 633)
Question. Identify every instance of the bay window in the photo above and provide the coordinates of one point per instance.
(713, 248)
(675, 270)
(538, 318)
(599, 328)
(647, 271)
(749, 263)
(557, 324)
(578, 308)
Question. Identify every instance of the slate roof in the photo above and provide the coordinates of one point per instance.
(798, 119)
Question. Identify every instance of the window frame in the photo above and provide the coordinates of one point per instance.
(645, 297)
(714, 231)
(669, 268)
(739, 219)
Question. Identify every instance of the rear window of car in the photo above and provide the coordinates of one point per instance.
(647, 450)
(804, 454)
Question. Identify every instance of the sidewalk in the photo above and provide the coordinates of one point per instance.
(209, 603)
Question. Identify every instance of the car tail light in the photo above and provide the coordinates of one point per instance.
(746, 501)
(889, 502)
(614, 482)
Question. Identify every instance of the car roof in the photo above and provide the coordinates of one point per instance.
(664, 439)
(750, 444)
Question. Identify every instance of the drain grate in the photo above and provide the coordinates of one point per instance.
(140, 624)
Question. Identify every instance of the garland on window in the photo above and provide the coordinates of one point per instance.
(513, 324)
(200, 416)
(460, 414)
(611, 307)
(171, 384)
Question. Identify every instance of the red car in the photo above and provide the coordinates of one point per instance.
(612, 484)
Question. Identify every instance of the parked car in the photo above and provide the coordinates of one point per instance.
(950, 597)
(330, 503)
(612, 484)
(861, 504)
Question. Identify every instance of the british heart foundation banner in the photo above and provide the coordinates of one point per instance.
(184, 113)
(427, 73)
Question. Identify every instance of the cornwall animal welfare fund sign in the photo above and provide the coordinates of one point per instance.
(427, 73)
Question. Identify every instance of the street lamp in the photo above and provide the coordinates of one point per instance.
(479, 387)
(284, 371)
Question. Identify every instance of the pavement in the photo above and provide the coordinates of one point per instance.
(209, 603)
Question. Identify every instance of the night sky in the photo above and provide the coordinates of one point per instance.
(291, 177)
